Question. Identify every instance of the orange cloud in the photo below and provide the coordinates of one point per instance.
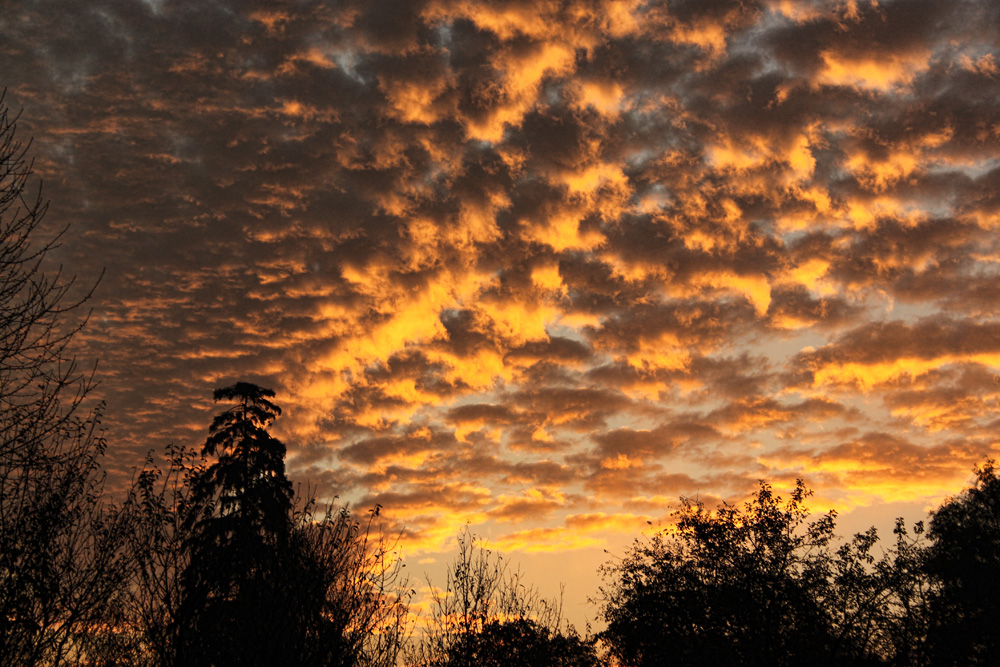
(878, 71)
(580, 531)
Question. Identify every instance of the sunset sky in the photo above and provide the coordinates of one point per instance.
(538, 266)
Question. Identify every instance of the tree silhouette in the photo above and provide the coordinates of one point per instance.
(487, 617)
(521, 641)
(245, 488)
(233, 571)
(239, 538)
(964, 565)
(62, 555)
(759, 585)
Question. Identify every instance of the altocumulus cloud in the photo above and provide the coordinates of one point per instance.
(544, 264)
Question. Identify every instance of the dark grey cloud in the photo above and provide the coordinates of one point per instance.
(484, 250)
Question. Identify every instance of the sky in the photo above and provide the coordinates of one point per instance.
(538, 267)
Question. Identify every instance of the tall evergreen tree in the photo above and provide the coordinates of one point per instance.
(244, 493)
(260, 580)
(239, 535)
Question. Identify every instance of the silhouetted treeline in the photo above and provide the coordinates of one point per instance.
(763, 585)
(212, 560)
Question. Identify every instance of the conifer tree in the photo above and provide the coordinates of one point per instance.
(239, 531)
(262, 580)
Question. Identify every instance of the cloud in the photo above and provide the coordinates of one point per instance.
(536, 265)
(887, 352)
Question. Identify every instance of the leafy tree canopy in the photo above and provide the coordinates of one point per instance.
(759, 584)
(964, 565)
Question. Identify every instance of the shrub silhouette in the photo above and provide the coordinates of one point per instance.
(487, 617)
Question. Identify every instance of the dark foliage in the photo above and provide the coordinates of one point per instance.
(521, 641)
(242, 555)
(487, 617)
(759, 585)
(964, 565)
(234, 572)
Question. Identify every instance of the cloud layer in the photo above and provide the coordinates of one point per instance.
(543, 265)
